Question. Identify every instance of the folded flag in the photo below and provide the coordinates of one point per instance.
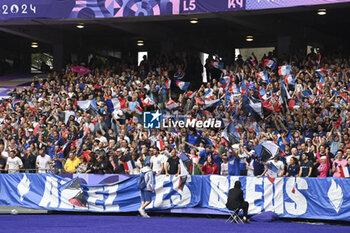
(183, 85)
(168, 84)
(270, 63)
(129, 165)
(284, 70)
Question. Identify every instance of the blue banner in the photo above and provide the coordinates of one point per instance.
(314, 198)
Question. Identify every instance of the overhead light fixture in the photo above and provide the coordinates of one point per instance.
(194, 20)
(249, 38)
(322, 12)
(140, 43)
(80, 26)
(34, 45)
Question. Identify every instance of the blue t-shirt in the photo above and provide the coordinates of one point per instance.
(217, 160)
(57, 162)
(203, 156)
(258, 167)
(233, 166)
(193, 139)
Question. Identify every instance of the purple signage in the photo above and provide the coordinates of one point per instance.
(57, 9)
(268, 4)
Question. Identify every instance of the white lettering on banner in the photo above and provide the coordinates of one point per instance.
(299, 206)
(184, 197)
(50, 194)
(217, 198)
(273, 195)
(93, 196)
(191, 5)
(161, 191)
(112, 194)
(252, 195)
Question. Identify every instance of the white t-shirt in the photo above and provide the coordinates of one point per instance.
(43, 163)
(157, 162)
(13, 164)
(4, 153)
(279, 164)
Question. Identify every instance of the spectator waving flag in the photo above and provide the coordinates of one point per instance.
(267, 150)
(160, 144)
(115, 104)
(252, 62)
(225, 81)
(183, 85)
(191, 94)
(31, 106)
(284, 91)
(230, 134)
(321, 73)
(209, 94)
(262, 93)
(263, 75)
(148, 101)
(271, 172)
(290, 79)
(270, 63)
(168, 84)
(344, 172)
(210, 105)
(80, 70)
(171, 105)
(284, 70)
(129, 165)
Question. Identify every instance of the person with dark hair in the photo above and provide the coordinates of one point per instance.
(293, 168)
(235, 201)
(146, 192)
(210, 167)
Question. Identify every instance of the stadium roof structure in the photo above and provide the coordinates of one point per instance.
(215, 31)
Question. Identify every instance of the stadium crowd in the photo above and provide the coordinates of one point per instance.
(91, 121)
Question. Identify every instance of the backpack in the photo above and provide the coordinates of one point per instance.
(141, 183)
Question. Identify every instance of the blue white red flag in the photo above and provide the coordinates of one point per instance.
(183, 85)
(270, 63)
(284, 70)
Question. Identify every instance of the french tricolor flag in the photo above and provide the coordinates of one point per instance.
(262, 93)
(130, 165)
(263, 75)
(225, 81)
(252, 62)
(344, 172)
(321, 73)
(209, 94)
(244, 86)
(284, 70)
(31, 106)
(139, 110)
(168, 84)
(290, 79)
(36, 128)
(115, 103)
(271, 172)
(191, 94)
(148, 101)
(233, 88)
(171, 105)
(183, 85)
(160, 144)
(270, 63)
